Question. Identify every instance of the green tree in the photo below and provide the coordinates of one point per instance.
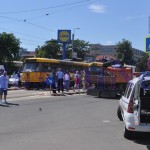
(124, 52)
(141, 64)
(79, 46)
(51, 49)
(9, 48)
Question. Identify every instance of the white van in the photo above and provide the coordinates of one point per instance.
(2, 69)
(134, 106)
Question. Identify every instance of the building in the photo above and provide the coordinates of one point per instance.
(28, 54)
(98, 52)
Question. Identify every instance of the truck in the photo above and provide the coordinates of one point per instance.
(108, 80)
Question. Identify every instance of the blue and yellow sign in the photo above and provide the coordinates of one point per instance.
(64, 36)
(147, 44)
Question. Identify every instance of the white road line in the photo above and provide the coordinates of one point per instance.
(38, 96)
(106, 121)
(28, 98)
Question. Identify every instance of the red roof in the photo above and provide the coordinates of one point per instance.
(99, 57)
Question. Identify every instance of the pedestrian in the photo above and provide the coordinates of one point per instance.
(54, 83)
(59, 76)
(83, 81)
(50, 82)
(77, 81)
(19, 78)
(3, 86)
(67, 81)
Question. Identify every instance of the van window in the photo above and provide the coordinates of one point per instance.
(125, 93)
(130, 90)
(145, 89)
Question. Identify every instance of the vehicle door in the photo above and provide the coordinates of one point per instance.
(124, 101)
(136, 103)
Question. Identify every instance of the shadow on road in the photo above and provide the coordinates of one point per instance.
(7, 103)
(4, 105)
(143, 139)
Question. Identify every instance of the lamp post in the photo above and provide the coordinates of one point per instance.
(73, 35)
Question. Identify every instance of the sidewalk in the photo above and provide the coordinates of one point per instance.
(71, 92)
(15, 88)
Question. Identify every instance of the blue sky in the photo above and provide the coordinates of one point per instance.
(100, 21)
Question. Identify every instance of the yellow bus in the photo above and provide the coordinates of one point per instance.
(35, 70)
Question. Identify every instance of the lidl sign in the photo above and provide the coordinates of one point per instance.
(147, 44)
(64, 36)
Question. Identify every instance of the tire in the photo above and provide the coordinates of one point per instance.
(127, 134)
(119, 113)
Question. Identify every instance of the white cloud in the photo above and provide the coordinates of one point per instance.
(97, 8)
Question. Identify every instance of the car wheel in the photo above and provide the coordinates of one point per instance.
(119, 113)
(127, 133)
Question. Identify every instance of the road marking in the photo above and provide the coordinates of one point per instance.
(27, 98)
(36, 97)
(106, 121)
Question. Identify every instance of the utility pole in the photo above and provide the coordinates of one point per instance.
(73, 35)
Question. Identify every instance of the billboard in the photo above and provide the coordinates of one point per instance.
(64, 36)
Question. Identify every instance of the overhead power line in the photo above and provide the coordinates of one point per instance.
(23, 34)
(50, 7)
(25, 21)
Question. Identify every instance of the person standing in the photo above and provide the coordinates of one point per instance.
(67, 81)
(3, 86)
(77, 81)
(19, 78)
(59, 76)
(50, 82)
(83, 81)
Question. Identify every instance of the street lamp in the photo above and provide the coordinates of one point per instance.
(73, 35)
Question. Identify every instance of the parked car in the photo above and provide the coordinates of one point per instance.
(13, 80)
(134, 106)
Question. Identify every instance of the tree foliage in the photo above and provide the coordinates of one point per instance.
(81, 47)
(141, 64)
(51, 49)
(9, 48)
(124, 52)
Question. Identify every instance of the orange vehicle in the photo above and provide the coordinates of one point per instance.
(109, 78)
(122, 75)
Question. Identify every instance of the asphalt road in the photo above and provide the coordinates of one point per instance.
(76, 122)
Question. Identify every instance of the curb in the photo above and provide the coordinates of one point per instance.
(15, 88)
(52, 94)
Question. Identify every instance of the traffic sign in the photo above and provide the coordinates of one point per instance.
(147, 43)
